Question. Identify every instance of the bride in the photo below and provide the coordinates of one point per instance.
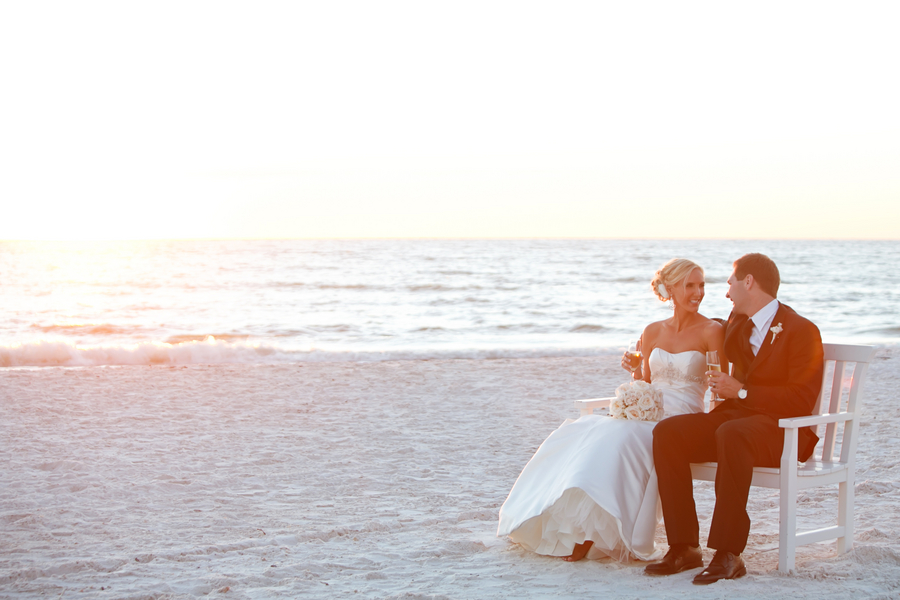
(590, 489)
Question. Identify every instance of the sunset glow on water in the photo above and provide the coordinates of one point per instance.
(209, 302)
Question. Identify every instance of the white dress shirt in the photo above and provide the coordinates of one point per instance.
(762, 321)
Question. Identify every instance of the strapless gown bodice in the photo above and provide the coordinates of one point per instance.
(593, 479)
(682, 378)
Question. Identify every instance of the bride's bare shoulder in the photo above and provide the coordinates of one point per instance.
(712, 327)
(708, 322)
(660, 324)
(655, 327)
(652, 334)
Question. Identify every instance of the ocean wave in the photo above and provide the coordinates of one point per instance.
(287, 284)
(48, 353)
(891, 331)
(519, 327)
(222, 337)
(346, 286)
(54, 353)
(437, 287)
(85, 329)
(588, 328)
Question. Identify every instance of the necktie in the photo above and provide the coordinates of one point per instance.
(746, 332)
(749, 331)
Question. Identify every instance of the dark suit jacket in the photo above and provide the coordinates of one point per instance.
(785, 377)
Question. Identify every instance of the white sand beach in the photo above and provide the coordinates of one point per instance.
(375, 480)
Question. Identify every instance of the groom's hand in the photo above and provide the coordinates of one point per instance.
(724, 385)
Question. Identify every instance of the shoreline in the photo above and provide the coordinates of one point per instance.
(62, 354)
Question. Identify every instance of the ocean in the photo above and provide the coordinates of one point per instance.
(203, 302)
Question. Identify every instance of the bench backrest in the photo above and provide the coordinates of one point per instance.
(845, 370)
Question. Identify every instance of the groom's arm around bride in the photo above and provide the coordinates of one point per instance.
(778, 365)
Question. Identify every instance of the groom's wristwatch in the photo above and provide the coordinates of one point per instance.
(742, 393)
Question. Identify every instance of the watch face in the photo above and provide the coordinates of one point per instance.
(742, 393)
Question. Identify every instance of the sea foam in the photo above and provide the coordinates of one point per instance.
(55, 353)
(47, 353)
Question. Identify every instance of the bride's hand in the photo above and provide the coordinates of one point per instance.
(626, 364)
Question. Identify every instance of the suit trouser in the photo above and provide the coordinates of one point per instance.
(738, 440)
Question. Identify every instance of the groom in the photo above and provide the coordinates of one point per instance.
(778, 367)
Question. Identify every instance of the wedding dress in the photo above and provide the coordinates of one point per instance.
(594, 479)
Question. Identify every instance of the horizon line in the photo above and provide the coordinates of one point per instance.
(451, 239)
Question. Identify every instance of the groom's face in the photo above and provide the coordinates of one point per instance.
(737, 293)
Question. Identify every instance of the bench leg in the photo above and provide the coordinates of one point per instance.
(787, 498)
(787, 531)
(845, 516)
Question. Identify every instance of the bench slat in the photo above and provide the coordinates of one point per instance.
(819, 535)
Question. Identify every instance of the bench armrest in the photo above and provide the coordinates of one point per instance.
(587, 406)
(797, 422)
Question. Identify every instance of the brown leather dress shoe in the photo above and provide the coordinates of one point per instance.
(724, 565)
(679, 558)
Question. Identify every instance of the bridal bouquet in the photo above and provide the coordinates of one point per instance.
(637, 401)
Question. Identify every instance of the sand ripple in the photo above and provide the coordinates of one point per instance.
(378, 480)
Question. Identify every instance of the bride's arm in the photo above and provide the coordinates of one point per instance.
(637, 373)
(647, 344)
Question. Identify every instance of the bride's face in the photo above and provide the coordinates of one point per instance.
(689, 293)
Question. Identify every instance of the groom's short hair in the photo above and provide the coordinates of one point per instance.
(763, 269)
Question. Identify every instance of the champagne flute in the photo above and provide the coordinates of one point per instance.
(713, 364)
(634, 354)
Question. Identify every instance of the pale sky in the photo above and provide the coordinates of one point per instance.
(456, 119)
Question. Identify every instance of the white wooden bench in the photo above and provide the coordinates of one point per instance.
(833, 461)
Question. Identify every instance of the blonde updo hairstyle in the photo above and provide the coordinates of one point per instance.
(671, 274)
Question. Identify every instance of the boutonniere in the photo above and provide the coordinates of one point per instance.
(775, 331)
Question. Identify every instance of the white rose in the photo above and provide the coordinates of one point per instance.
(616, 408)
(647, 402)
(640, 386)
(633, 413)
